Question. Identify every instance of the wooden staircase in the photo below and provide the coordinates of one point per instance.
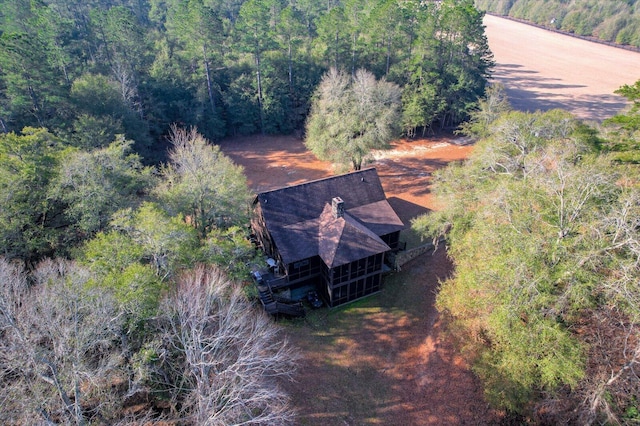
(276, 306)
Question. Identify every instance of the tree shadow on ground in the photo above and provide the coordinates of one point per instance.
(528, 91)
(382, 360)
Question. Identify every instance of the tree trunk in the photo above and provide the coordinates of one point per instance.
(290, 68)
(259, 81)
(208, 75)
(388, 64)
(353, 55)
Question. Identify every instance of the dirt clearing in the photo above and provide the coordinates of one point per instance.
(382, 360)
(405, 170)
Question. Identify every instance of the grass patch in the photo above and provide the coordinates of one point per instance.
(350, 352)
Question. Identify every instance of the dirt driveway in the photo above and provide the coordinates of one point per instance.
(383, 361)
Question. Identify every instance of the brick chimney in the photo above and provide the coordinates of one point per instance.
(337, 207)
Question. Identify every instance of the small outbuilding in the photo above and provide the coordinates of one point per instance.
(329, 235)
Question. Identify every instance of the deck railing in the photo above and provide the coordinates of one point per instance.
(276, 283)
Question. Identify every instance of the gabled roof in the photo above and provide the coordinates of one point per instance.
(301, 224)
(344, 239)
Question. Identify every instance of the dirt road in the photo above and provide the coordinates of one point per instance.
(543, 70)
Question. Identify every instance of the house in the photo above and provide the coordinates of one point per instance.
(330, 235)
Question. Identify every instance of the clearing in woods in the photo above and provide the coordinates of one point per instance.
(383, 360)
(386, 360)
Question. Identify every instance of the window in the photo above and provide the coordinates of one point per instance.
(340, 295)
(359, 268)
(300, 264)
(341, 274)
(374, 263)
(360, 287)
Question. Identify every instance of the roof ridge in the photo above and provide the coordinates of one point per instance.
(332, 226)
(310, 182)
(360, 227)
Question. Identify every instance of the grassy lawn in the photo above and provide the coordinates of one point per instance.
(355, 357)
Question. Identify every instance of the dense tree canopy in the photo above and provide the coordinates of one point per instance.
(91, 70)
(28, 219)
(86, 338)
(543, 230)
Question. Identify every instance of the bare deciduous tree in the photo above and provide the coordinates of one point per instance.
(230, 354)
(56, 346)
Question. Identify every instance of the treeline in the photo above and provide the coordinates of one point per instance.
(88, 70)
(616, 21)
(542, 222)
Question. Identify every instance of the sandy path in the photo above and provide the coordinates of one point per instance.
(543, 70)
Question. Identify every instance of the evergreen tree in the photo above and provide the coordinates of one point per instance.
(352, 116)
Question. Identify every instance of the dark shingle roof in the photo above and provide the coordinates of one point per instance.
(301, 224)
(345, 239)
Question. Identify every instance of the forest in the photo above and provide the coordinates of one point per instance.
(615, 21)
(542, 223)
(90, 70)
(124, 228)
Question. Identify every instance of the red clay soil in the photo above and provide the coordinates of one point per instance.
(397, 369)
(272, 162)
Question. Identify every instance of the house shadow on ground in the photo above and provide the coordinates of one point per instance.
(407, 210)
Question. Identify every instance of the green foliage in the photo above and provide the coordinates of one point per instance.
(138, 257)
(168, 243)
(27, 219)
(529, 218)
(33, 91)
(352, 116)
(92, 70)
(203, 185)
(447, 71)
(231, 251)
(625, 127)
(96, 95)
(93, 185)
(198, 29)
(116, 260)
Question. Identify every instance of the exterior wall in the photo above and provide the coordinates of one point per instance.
(337, 286)
(392, 240)
(263, 237)
(304, 270)
(352, 281)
